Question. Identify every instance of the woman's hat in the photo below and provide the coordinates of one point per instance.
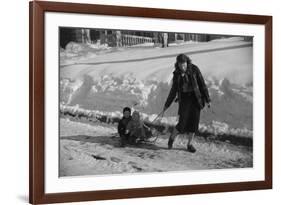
(181, 58)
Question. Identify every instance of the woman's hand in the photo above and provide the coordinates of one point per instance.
(209, 105)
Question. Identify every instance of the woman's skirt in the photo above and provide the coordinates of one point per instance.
(189, 113)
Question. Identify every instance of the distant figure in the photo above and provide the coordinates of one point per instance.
(136, 128)
(122, 125)
(118, 39)
(165, 40)
(192, 94)
(86, 38)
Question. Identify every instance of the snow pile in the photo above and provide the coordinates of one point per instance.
(73, 92)
(142, 78)
(67, 89)
(127, 84)
(80, 48)
(220, 128)
(214, 84)
(216, 128)
(185, 43)
(143, 45)
(230, 59)
(230, 103)
(74, 52)
(230, 39)
(76, 111)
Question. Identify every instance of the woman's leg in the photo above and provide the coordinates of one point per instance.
(190, 147)
(172, 137)
(190, 137)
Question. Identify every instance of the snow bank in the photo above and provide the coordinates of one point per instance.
(81, 48)
(230, 39)
(143, 45)
(76, 111)
(151, 64)
(230, 103)
(142, 77)
(75, 52)
(216, 128)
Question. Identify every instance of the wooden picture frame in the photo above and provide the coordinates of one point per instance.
(37, 10)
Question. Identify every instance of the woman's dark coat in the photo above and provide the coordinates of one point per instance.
(198, 84)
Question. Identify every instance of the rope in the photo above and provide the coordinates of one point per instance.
(160, 115)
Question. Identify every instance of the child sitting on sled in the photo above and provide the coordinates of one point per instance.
(122, 125)
(136, 129)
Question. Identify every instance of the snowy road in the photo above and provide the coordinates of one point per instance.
(171, 55)
(90, 149)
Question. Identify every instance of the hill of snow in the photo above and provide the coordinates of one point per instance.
(106, 80)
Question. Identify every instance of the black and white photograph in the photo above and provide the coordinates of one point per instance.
(136, 101)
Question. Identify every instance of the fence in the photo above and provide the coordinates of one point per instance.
(129, 40)
(124, 40)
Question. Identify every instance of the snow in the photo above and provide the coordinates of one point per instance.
(97, 82)
(230, 39)
(74, 52)
(215, 127)
(93, 150)
(143, 45)
(150, 64)
(140, 78)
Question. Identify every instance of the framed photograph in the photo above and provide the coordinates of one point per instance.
(130, 102)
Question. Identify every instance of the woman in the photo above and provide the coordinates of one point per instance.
(192, 94)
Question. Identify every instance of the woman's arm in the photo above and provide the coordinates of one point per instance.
(202, 86)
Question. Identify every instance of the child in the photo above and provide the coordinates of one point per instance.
(135, 128)
(122, 126)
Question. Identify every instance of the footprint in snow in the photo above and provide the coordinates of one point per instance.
(97, 157)
(132, 163)
(115, 159)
